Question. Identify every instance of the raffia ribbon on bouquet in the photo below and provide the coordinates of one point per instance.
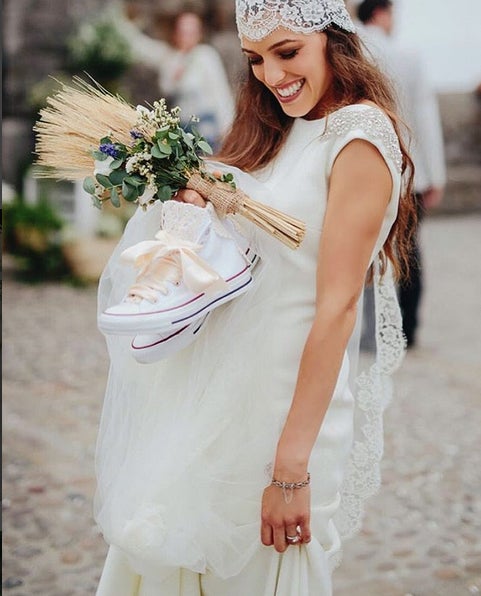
(226, 199)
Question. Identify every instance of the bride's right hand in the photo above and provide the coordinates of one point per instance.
(186, 195)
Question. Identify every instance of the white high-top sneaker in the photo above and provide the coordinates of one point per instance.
(150, 348)
(192, 267)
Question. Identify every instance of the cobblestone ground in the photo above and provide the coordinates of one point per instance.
(422, 533)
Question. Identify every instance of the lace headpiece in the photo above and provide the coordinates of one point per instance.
(256, 19)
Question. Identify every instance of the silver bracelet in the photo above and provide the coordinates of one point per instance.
(289, 487)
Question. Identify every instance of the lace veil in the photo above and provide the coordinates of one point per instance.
(370, 381)
(256, 19)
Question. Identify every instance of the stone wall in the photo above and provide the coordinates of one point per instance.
(34, 37)
(461, 117)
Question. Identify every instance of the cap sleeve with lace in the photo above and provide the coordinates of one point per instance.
(369, 123)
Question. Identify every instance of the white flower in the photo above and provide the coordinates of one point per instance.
(103, 167)
(130, 164)
(142, 110)
(148, 195)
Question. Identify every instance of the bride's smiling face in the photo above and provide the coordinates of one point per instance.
(294, 67)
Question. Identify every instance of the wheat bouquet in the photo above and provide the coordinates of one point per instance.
(140, 155)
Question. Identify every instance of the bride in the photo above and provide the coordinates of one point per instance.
(236, 466)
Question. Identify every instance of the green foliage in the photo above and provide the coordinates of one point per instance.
(38, 93)
(96, 48)
(99, 49)
(32, 236)
(158, 162)
(40, 215)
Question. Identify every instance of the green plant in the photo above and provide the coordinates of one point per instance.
(38, 92)
(32, 236)
(100, 50)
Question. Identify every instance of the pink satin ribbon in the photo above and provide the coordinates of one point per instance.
(179, 254)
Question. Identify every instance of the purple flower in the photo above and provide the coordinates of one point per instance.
(109, 149)
(135, 134)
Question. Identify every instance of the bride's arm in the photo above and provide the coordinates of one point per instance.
(359, 191)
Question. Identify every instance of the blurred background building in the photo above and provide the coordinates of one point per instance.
(446, 37)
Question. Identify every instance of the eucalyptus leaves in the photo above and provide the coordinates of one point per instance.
(158, 162)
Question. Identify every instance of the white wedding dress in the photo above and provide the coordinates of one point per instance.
(186, 445)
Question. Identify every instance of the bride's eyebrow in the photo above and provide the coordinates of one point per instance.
(281, 43)
(273, 46)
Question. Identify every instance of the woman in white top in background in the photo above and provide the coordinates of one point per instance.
(236, 466)
(191, 72)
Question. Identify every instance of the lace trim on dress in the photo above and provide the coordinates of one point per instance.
(373, 122)
(189, 221)
(256, 19)
(373, 393)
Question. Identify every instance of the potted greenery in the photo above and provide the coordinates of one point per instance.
(32, 234)
(101, 51)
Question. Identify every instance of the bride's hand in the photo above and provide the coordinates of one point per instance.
(186, 195)
(281, 519)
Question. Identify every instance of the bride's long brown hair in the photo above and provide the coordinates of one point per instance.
(260, 128)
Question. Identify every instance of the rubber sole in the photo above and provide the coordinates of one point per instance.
(159, 346)
(171, 319)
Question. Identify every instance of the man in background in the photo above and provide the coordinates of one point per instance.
(420, 110)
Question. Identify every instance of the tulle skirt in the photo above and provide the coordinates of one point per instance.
(186, 446)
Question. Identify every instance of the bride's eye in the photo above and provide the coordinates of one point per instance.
(253, 60)
(289, 55)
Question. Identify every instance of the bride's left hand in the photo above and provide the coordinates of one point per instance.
(281, 519)
(187, 195)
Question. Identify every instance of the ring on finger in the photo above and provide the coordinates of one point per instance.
(293, 539)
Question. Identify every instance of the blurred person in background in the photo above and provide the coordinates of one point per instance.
(419, 107)
(191, 73)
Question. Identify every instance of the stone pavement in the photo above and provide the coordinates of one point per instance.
(422, 533)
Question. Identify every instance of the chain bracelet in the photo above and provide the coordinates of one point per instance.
(289, 487)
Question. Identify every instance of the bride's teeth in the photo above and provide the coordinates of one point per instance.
(290, 90)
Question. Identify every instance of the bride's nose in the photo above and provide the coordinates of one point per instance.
(274, 73)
